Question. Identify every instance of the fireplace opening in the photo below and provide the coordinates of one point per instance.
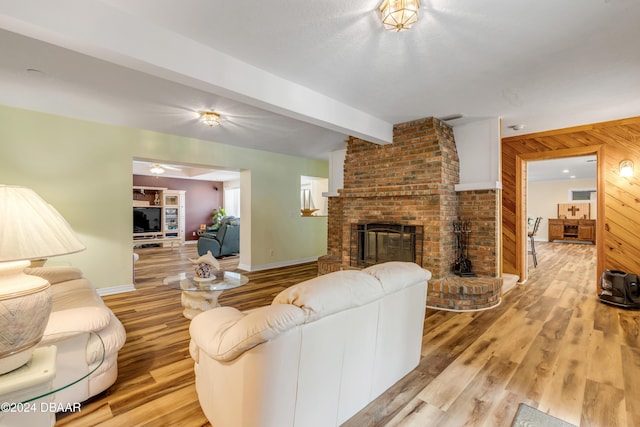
(375, 243)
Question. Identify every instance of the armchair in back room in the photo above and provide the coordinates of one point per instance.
(225, 241)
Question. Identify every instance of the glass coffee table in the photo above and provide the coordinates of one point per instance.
(199, 295)
(27, 393)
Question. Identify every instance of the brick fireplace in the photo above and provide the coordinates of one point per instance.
(410, 185)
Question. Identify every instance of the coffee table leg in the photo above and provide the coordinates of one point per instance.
(197, 302)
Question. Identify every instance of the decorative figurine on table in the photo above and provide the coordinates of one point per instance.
(205, 267)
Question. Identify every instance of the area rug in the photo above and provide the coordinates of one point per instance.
(531, 417)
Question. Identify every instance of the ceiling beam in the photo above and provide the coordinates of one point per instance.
(107, 33)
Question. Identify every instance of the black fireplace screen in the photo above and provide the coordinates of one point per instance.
(377, 243)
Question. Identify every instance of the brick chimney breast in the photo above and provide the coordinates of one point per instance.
(412, 182)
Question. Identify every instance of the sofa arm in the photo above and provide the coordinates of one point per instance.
(206, 244)
(55, 274)
(80, 319)
(224, 333)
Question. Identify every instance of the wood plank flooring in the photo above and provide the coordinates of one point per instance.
(550, 344)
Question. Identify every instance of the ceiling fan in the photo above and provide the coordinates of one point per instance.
(159, 168)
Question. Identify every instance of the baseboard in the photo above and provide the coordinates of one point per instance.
(276, 264)
(112, 290)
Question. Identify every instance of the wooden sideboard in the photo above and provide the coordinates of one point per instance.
(579, 230)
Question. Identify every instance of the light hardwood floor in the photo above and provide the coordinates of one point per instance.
(550, 344)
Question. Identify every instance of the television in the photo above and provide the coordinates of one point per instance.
(147, 219)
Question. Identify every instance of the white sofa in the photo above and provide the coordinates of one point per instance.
(317, 355)
(77, 307)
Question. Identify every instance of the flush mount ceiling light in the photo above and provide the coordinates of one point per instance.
(399, 15)
(626, 168)
(156, 169)
(210, 118)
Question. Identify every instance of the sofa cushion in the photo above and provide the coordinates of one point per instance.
(396, 275)
(331, 293)
(224, 333)
(55, 274)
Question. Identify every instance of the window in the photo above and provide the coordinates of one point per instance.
(582, 194)
(232, 200)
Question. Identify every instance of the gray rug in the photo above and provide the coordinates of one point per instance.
(531, 417)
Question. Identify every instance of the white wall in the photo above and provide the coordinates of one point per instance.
(336, 172)
(478, 145)
(543, 199)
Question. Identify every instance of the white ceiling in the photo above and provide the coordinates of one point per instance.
(141, 167)
(566, 169)
(296, 77)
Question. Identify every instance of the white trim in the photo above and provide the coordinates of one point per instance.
(275, 264)
(471, 310)
(112, 290)
(479, 186)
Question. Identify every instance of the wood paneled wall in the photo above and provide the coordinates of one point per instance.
(618, 227)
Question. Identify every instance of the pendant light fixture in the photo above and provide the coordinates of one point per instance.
(399, 15)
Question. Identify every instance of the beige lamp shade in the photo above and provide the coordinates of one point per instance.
(30, 228)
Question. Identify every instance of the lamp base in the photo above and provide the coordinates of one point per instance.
(25, 305)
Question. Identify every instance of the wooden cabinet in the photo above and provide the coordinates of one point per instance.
(174, 217)
(587, 231)
(556, 229)
(579, 230)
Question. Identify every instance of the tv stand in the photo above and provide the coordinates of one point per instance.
(156, 240)
(172, 217)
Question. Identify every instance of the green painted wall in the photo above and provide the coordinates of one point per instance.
(84, 170)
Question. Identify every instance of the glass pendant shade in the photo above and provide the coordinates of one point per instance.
(626, 168)
(399, 15)
(210, 118)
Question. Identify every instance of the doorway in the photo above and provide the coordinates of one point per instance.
(532, 168)
(552, 186)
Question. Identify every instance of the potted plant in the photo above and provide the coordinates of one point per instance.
(217, 216)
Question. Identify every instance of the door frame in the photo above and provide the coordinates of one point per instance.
(521, 197)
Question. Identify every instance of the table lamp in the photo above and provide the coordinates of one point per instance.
(30, 228)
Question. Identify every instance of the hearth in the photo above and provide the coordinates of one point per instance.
(375, 243)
